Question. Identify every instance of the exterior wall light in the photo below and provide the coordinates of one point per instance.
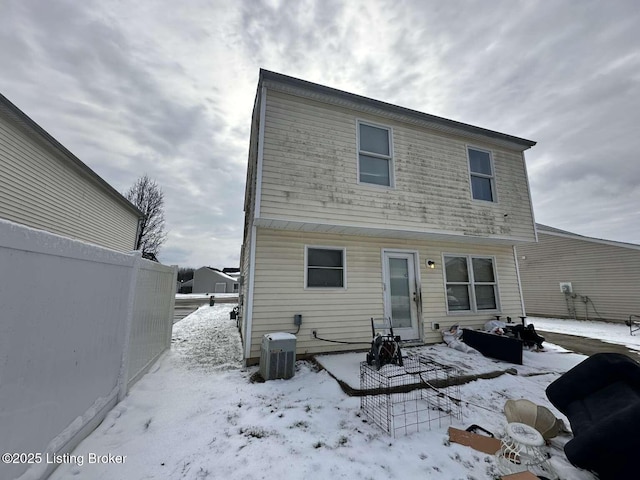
(431, 264)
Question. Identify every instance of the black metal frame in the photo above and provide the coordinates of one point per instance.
(634, 325)
(385, 349)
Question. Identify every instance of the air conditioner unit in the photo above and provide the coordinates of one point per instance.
(277, 355)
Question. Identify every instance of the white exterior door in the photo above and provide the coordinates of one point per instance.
(401, 293)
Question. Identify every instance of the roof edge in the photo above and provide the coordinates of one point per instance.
(440, 121)
(547, 230)
(75, 161)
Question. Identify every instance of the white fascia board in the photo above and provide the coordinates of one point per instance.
(533, 216)
(312, 225)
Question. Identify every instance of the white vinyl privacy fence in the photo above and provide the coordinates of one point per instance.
(79, 324)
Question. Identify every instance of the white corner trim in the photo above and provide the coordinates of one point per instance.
(533, 214)
(515, 259)
(263, 113)
(248, 313)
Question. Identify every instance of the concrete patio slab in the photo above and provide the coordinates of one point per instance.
(345, 367)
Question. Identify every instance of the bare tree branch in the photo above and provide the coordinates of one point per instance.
(148, 197)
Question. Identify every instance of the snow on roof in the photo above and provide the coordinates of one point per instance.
(222, 274)
(281, 336)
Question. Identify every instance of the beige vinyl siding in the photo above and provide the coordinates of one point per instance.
(344, 314)
(310, 175)
(40, 189)
(609, 275)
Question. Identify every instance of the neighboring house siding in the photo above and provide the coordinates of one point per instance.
(344, 315)
(310, 175)
(40, 189)
(609, 275)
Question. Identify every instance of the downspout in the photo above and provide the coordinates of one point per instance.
(533, 215)
(515, 259)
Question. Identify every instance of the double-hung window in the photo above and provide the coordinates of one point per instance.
(471, 283)
(375, 155)
(325, 267)
(482, 178)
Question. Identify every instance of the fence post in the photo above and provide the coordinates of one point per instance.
(123, 380)
(172, 304)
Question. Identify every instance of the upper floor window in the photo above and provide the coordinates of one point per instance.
(375, 157)
(482, 179)
(471, 284)
(325, 267)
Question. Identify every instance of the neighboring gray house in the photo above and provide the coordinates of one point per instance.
(212, 280)
(356, 208)
(600, 278)
(44, 186)
(232, 272)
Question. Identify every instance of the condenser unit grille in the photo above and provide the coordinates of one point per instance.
(278, 356)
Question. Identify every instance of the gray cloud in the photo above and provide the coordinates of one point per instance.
(133, 89)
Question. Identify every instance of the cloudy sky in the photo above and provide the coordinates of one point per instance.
(167, 88)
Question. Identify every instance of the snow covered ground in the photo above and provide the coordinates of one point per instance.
(605, 331)
(197, 415)
(200, 296)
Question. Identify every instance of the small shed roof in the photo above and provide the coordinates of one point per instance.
(222, 274)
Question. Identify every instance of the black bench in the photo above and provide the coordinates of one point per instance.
(499, 347)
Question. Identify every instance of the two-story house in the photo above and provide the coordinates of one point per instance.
(356, 208)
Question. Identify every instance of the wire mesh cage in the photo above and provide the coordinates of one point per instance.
(417, 396)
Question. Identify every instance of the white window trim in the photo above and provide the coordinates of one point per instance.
(491, 177)
(472, 291)
(392, 176)
(344, 268)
